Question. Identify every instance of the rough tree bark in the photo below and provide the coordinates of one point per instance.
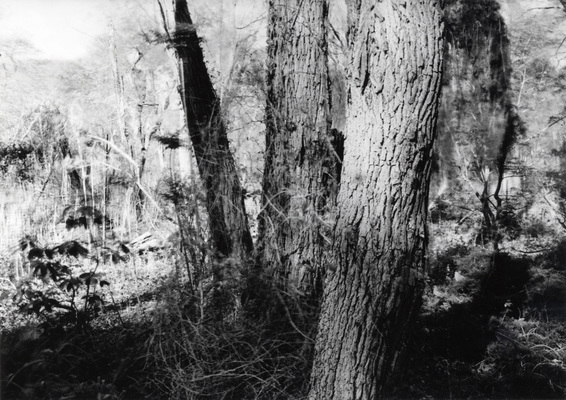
(230, 235)
(301, 166)
(372, 297)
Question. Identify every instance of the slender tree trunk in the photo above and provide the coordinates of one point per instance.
(372, 297)
(301, 167)
(230, 235)
(480, 117)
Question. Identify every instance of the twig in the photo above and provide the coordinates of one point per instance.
(163, 16)
(291, 319)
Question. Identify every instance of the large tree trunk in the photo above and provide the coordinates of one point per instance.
(301, 167)
(372, 297)
(230, 235)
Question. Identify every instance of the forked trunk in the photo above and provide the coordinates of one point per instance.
(301, 167)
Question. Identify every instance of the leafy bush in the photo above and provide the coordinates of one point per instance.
(45, 141)
(527, 359)
(509, 222)
(535, 229)
(504, 285)
(444, 264)
(443, 210)
(58, 284)
(17, 159)
(47, 362)
(555, 258)
(547, 294)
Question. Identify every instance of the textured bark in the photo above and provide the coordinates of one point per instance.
(372, 297)
(228, 222)
(301, 167)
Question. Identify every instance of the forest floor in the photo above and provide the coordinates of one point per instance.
(491, 327)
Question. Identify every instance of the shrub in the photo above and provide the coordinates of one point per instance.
(547, 294)
(247, 359)
(59, 284)
(47, 362)
(444, 264)
(17, 159)
(527, 359)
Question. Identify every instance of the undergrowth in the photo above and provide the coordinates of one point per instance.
(491, 327)
(248, 358)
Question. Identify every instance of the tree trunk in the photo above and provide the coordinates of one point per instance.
(372, 297)
(230, 235)
(478, 115)
(301, 167)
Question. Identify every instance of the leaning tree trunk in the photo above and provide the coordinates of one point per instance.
(372, 297)
(301, 168)
(230, 235)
